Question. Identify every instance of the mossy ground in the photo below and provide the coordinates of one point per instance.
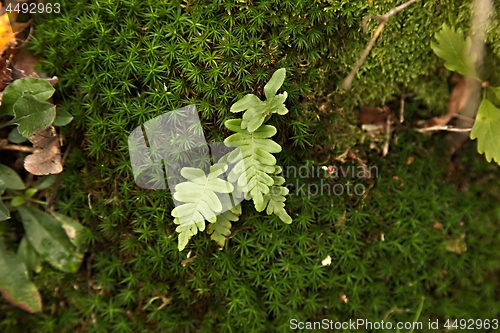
(121, 63)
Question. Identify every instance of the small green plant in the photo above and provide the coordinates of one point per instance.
(455, 50)
(253, 171)
(26, 100)
(53, 238)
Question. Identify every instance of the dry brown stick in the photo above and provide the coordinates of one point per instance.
(346, 85)
(443, 128)
(385, 150)
(23, 149)
(402, 107)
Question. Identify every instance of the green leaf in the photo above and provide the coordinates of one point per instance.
(30, 192)
(254, 117)
(28, 255)
(185, 234)
(15, 136)
(10, 178)
(38, 88)
(49, 239)
(271, 88)
(236, 210)
(275, 202)
(222, 227)
(45, 182)
(17, 201)
(277, 104)
(496, 90)
(253, 161)
(32, 115)
(487, 130)
(455, 49)
(62, 118)
(257, 111)
(14, 284)
(73, 228)
(4, 212)
(246, 102)
(201, 200)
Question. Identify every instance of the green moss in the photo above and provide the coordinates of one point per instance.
(121, 63)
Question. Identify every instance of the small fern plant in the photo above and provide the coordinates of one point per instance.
(248, 171)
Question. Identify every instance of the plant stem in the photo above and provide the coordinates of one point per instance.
(36, 201)
(417, 314)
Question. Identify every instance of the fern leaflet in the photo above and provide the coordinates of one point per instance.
(201, 201)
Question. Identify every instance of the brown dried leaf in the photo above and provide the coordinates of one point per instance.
(374, 115)
(5, 70)
(24, 65)
(458, 99)
(47, 159)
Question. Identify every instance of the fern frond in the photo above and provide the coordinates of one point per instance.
(253, 159)
(201, 200)
(257, 110)
(275, 200)
(221, 229)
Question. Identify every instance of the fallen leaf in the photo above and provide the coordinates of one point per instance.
(458, 99)
(187, 261)
(9, 38)
(373, 115)
(5, 71)
(47, 159)
(23, 65)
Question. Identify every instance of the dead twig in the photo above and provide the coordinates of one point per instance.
(385, 150)
(402, 107)
(23, 149)
(442, 128)
(346, 85)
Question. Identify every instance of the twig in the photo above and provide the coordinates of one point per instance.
(385, 150)
(346, 85)
(402, 107)
(442, 128)
(394, 310)
(23, 149)
(4, 145)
